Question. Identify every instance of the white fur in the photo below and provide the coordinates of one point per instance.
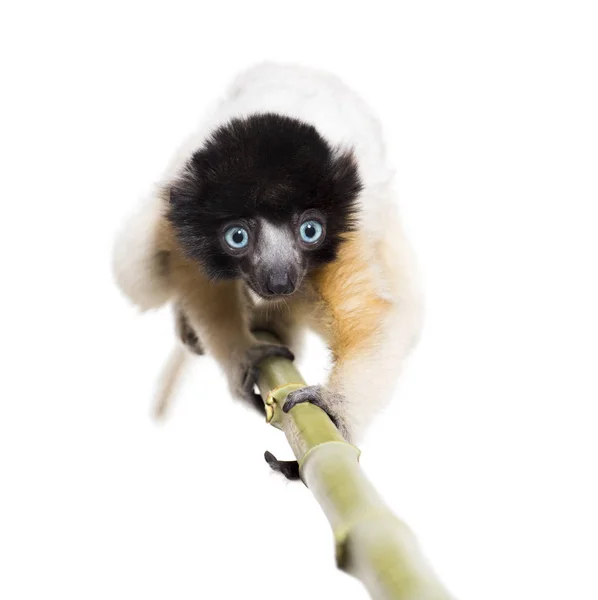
(367, 381)
(134, 257)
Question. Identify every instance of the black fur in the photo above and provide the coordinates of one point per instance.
(268, 166)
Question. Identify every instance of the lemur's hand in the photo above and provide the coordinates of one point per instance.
(247, 372)
(331, 404)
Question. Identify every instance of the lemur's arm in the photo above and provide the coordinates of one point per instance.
(367, 357)
(218, 313)
(372, 324)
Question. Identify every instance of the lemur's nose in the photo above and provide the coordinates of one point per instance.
(280, 284)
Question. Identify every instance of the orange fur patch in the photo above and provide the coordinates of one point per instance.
(347, 289)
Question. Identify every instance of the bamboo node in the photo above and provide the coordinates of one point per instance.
(277, 396)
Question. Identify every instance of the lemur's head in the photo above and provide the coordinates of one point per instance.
(267, 199)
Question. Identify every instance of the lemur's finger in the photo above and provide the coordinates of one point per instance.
(255, 356)
(311, 393)
(289, 468)
(250, 379)
(263, 351)
(258, 402)
(314, 394)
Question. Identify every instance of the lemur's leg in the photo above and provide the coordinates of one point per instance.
(219, 314)
(187, 343)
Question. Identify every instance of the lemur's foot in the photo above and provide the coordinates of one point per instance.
(319, 396)
(251, 372)
(289, 468)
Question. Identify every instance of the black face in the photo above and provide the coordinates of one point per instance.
(266, 199)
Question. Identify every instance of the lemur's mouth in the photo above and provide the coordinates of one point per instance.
(268, 296)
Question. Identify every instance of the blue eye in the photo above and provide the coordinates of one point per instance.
(236, 237)
(311, 231)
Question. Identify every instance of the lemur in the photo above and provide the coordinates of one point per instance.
(279, 214)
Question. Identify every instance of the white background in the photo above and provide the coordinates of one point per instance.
(489, 447)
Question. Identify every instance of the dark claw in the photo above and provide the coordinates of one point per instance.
(289, 468)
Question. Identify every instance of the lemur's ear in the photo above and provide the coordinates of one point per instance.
(346, 186)
(345, 174)
(344, 161)
(175, 196)
(184, 190)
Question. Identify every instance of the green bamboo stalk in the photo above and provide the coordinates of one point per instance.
(372, 544)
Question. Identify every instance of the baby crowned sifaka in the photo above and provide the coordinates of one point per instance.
(279, 214)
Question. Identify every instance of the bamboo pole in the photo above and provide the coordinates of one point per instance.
(371, 543)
